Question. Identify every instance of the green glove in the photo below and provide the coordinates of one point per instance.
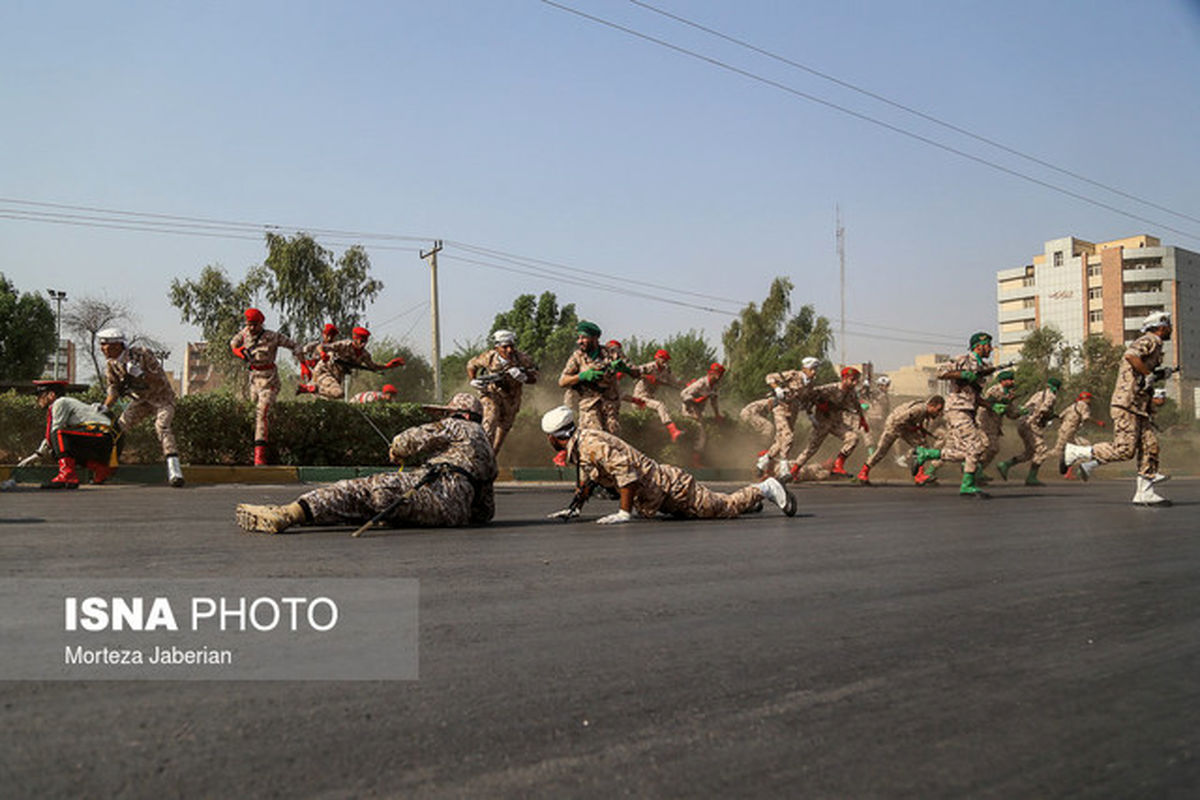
(620, 366)
(590, 375)
(1024, 412)
(1000, 408)
(968, 376)
(865, 406)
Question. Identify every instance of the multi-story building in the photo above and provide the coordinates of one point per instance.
(60, 365)
(198, 373)
(1082, 288)
(920, 378)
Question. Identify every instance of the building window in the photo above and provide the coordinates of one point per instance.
(1027, 281)
(1093, 270)
(1058, 258)
(1095, 293)
(1028, 302)
(1095, 316)
(1030, 324)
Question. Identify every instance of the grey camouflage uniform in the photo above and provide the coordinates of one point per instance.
(136, 373)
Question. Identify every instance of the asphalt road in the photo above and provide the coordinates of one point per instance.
(887, 642)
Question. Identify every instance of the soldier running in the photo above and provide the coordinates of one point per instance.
(77, 434)
(1071, 421)
(906, 422)
(1036, 416)
(965, 442)
(133, 371)
(654, 374)
(500, 375)
(453, 487)
(256, 345)
(999, 403)
(337, 359)
(791, 393)
(1130, 409)
(698, 394)
(832, 403)
(591, 371)
(644, 484)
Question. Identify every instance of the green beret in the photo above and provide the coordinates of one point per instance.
(1054, 383)
(1006, 375)
(980, 338)
(587, 328)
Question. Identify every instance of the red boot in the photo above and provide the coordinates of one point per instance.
(923, 478)
(306, 388)
(260, 454)
(839, 467)
(100, 472)
(864, 474)
(1070, 473)
(674, 431)
(66, 477)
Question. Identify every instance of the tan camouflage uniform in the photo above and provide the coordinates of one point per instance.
(832, 406)
(599, 400)
(136, 373)
(906, 423)
(965, 442)
(695, 396)
(654, 375)
(264, 376)
(337, 358)
(453, 498)
(798, 396)
(501, 399)
(1072, 419)
(613, 463)
(758, 415)
(990, 423)
(1130, 410)
(1032, 428)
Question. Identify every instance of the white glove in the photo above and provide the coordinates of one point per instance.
(566, 513)
(619, 518)
(478, 384)
(101, 409)
(780, 394)
(517, 374)
(27, 460)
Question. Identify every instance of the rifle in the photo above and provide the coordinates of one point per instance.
(431, 474)
(1146, 382)
(993, 368)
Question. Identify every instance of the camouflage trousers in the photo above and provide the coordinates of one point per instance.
(910, 436)
(688, 498)
(965, 442)
(695, 412)
(785, 431)
(1034, 438)
(1133, 435)
(1068, 433)
(755, 417)
(498, 416)
(599, 413)
(328, 386)
(657, 406)
(263, 394)
(829, 426)
(164, 414)
(446, 501)
(991, 444)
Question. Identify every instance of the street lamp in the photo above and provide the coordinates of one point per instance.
(58, 297)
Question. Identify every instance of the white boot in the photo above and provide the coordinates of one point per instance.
(174, 471)
(773, 490)
(783, 468)
(1145, 494)
(1072, 454)
(1086, 468)
(762, 462)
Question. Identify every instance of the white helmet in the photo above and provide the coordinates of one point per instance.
(110, 336)
(1156, 319)
(504, 337)
(808, 362)
(559, 422)
(883, 380)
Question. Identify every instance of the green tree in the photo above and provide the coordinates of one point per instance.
(1038, 352)
(27, 333)
(691, 354)
(769, 339)
(454, 365)
(545, 332)
(302, 280)
(1098, 375)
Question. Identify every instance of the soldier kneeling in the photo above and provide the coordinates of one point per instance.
(77, 434)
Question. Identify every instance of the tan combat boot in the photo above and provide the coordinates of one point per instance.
(268, 519)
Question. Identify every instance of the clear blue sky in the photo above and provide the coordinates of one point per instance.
(516, 126)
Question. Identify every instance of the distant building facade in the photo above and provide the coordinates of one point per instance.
(198, 373)
(61, 363)
(919, 379)
(1083, 288)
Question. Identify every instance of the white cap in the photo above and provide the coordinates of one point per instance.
(1155, 319)
(808, 362)
(110, 335)
(883, 380)
(559, 422)
(504, 337)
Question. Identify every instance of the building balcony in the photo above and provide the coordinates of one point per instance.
(1017, 315)
(1145, 299)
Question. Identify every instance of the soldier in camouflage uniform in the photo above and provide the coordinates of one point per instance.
(384, 394)
(999, 403)
(134, 372)
(591, 371)
(256, 345)
(832, 403)
(906, 422)
(1036, 416)
(500, 375)
(452, 487)
(312, 351)
(1071, 421)
(879, 404)
(643, 484)
(1130, 409)
(337, 359)
(654, 374)
(698, 394)
(791, 393)
(964, 441)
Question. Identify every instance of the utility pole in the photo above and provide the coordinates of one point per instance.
(433, 305)
(58, 297)
(841, 249)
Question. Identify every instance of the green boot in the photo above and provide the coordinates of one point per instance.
(1031, 479)
(968, 487)
(920, 455)
(1003, 467)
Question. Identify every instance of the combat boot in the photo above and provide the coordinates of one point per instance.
(174, 471)
(839, 467)
(1145, 494)
(968, 487)
(66, 477)
(920, 455)
(1003, 467)
(1031, 479)
(864, 475)
(1072, 454)
(268, 519)
(774, 491)
(100, 472)
(923, 477)
(260, 453)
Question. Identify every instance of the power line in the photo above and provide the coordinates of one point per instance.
(866, 118)
(909, 109)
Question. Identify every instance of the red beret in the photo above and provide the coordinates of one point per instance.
(361, 333)
(254, 315)
(330, 328)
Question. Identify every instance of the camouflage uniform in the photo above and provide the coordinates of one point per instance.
(879, 401)
(695, 396)
(136, 373)
(369, 396)
(599, 400)
(758, 415)
(264, 377)
(654, 375)
(1072, 419)
(613, 463)
(1032, 428)
(460, 495)
(1130, 410)
(906, 423)
(965, 442)
(832, 406)
(336, 359)
(990, 423)
(501, 399)
(798, 396)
